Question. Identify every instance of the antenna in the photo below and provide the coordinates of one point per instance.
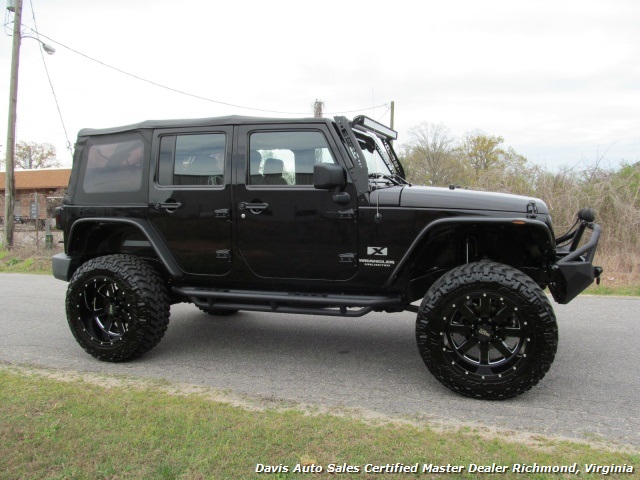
(373, 104)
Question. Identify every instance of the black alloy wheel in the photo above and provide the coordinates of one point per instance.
(104, 309)
(484, 334)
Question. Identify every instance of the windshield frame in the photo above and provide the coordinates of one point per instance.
(357, 164)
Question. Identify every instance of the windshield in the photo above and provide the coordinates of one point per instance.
(375, 163)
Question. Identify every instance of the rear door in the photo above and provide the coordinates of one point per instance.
(190, 197)
(286, 229)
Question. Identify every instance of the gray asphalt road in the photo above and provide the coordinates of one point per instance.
(591, 392)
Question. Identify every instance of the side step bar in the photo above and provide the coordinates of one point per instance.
(284, 302)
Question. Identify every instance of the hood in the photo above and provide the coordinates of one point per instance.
(454, 199)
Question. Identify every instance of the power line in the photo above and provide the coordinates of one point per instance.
(181, 92)
(385, 112)
(55, 97)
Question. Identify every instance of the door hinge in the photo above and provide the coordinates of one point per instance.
(223, 213)
(348, 257)
(348, 214)
(223, 255)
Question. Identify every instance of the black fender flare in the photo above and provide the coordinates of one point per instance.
(468, 221)
(156, 243)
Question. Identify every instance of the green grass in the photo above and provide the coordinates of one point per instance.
(22, 261)
(57, 429)
(623, 290)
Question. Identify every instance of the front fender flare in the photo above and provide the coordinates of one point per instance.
(432, 227)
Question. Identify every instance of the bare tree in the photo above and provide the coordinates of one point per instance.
(31, 155)
(429, 156)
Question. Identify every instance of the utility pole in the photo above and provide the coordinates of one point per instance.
(393, 110)
(318, 106)
(392, 122)
(10, 185)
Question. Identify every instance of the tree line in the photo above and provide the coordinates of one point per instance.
(433, 156)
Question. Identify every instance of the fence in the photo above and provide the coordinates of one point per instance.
(28, 237)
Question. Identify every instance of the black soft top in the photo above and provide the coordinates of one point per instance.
(199, 122)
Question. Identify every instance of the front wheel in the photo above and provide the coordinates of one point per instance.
(487, 331)
(117, 307)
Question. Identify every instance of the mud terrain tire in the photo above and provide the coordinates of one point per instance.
(487, 331)
(117, 307)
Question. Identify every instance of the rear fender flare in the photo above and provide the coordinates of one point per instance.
(150, 234)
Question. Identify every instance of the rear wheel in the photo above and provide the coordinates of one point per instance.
(487, 330)
(117, 307)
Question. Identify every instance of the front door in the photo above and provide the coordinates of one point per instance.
(190, 197)
(286, 229)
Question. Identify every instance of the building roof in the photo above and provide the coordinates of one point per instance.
(39, 179)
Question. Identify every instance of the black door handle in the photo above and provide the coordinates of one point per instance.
(169, 206)
(253, 207)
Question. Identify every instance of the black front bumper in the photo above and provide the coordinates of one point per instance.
(574, 270)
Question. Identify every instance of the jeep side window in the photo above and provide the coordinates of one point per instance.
(286, 158)
(114, 167)
(192, 159)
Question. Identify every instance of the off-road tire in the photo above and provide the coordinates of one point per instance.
(117, 307)
(487, 331)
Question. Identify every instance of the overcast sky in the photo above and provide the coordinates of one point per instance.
(559, 80)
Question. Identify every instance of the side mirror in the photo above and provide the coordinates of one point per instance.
(327, 176)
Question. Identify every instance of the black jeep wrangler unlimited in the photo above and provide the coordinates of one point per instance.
(310, 216)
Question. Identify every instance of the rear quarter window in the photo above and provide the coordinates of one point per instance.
(114, 167)
(111, 169)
